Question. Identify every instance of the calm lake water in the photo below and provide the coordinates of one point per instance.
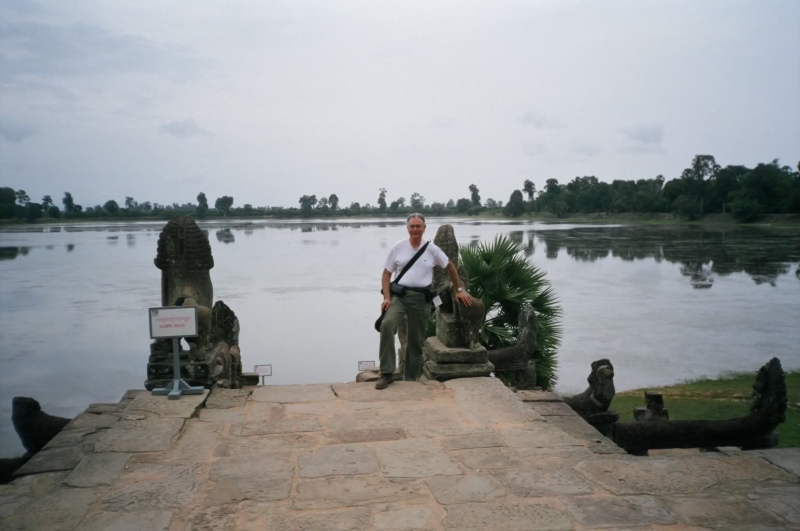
(663, 303)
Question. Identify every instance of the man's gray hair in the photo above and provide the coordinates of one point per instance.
(415, 215)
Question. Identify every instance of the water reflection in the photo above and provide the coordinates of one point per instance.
(8, 253)
(703, 253)
(70, 247)
(225, 236)
(131, 240)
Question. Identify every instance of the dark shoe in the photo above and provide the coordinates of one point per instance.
(384, 381)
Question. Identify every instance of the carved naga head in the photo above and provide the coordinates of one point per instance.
(601, 381)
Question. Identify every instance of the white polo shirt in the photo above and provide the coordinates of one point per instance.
(420, 274)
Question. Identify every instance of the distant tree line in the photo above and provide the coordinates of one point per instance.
(703, 188)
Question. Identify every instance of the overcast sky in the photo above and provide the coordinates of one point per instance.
(268, 101)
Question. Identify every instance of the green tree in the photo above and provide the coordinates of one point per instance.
(382, 199)
(450, 205)
(202, 205)
(438, 208)
(529, 188)
(333, 202)
(307, 203)
(463, 205)
(703, 168)
(68, 202)
(491, 203)
(111, 207)
(8, 198)
(505, 281)
(129, 202)
(47, 201)
(33, 211)
(474, 195)
(53, 212)
(417, 202)
(224, 204)
(397, 204)
(22, 198)
(515, 206)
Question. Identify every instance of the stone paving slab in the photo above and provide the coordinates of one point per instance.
(482, 517)
(146, 435)
(55, 459)
(293, 393)
(429, 459)
(149, 520)
(487, 400)
(334, 492)
(449, 490)
(227, 398)
(96, 470)
(397, 392)
(538, 396)
(162, 406)
(536, 483)
(464, 455)
(61, 510)
(649, 475)
(337, 460)
(604, 512)
(549, 408)
(368, 435)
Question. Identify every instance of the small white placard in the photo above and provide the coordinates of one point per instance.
(365, 365)
(173, 321)
(437, 301)
(264, 370)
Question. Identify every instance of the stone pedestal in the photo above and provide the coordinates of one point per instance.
(446, 363)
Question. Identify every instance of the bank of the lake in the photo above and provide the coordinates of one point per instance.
(717, 398)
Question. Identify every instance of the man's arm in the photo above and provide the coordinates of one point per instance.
(387, 296)
(461, 296)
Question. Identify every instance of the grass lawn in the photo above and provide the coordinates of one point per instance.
(726, 397)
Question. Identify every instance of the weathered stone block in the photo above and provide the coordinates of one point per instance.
(414, 458)
(452, 371)
(351, 491)
(447, 329)
(619, 511)
(227, 398)
(464, 489)
(354, 519)
(723, 513)
(162, 406)
(548, 409)
(146, 435)
(485, 458)
(61, 510)
(403, 518)
(151, 520)
(277, 426)
(397, 392)
(480, 517)
(368, 435)
(293, 393)
(266, 478)
(538, 396)
(55, 459)
(475, 440)
(147, 486)
(436, 351)
(488, 401)
(534, 483)
(338, 460)
(97, 469)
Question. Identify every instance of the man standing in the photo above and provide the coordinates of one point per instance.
(415, 303)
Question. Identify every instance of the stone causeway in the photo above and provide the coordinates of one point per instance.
(467, 454)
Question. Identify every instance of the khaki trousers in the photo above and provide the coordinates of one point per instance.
(417, 310)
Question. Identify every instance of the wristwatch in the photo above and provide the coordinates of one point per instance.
(459, 289)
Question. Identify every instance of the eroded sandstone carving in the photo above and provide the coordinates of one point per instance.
(214, 358)
(518, 358)
(455, 351)
(767, 410)
(592, 405)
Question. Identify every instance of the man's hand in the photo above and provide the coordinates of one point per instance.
(464, 298)
(386, 303)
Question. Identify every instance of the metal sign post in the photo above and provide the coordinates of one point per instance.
(264, 371)
(175, 322)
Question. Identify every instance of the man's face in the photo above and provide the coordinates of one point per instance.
(416, 228)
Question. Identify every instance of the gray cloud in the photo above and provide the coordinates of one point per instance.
(643, 138)
(533, 149)
(184, 129)
(14, 132)
(31, 48)
(539, 121)
(586, 150)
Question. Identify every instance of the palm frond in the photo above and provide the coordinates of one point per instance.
(503, 278)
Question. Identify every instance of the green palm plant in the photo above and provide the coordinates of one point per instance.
(502, 277)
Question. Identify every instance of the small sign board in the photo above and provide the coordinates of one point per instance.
(173, 322)
(365, 365)
(264, 370)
